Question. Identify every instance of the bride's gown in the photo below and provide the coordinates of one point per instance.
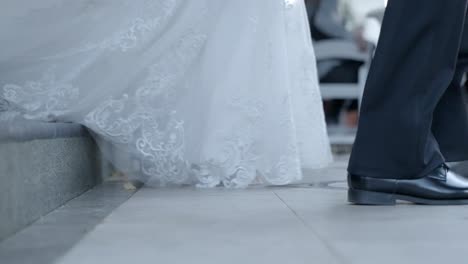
(203, 92)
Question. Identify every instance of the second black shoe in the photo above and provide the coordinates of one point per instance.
(440, 187)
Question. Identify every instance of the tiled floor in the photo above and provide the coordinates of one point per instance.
(53, 235)
(304, 223)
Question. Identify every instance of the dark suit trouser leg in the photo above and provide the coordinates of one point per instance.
(450, 123)
(412, 113)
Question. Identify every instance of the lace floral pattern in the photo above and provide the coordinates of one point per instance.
(159, 136)
(7, 111)
(4, 105)
(151, 17)
(43, 99)
(140, 27)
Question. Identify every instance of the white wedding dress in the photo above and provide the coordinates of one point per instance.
(205, 92)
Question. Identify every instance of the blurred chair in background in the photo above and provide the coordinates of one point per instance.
(343, 39)
(340, 92)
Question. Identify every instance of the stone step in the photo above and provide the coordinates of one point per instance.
(42, 166)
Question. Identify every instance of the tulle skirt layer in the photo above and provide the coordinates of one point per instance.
(202, 92)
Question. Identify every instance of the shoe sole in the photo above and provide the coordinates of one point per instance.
(360, 197)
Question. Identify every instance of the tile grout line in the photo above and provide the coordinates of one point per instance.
(93, 228)
(341, 259)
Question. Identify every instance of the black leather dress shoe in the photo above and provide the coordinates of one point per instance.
(440, 187)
